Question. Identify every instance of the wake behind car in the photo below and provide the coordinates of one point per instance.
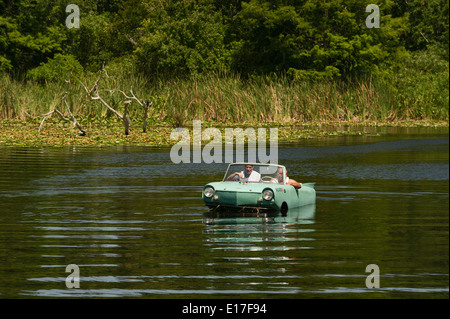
(257, 186)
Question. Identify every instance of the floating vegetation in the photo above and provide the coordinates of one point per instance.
(60, 133)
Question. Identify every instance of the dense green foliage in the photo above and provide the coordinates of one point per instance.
(253, 40)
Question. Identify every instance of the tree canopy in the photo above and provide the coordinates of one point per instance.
(303, 38)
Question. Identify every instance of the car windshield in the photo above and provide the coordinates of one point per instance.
(255, 173)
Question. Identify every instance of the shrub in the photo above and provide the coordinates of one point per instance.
(56, 68)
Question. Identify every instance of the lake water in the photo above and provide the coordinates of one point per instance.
(135, 225)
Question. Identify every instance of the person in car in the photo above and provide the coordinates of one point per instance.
(289, 181)
(247, 175)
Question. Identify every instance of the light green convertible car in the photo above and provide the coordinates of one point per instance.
(257, 186)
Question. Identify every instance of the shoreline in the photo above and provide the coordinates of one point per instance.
(58, 134)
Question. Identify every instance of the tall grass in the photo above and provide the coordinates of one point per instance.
(21, 97)
(231, 99)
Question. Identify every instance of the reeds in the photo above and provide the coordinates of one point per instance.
(21, 98)
(233, 100)
(227, 98)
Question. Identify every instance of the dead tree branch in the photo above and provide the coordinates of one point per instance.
(72, 117)
(61, 115)
(126, 119)
(94, 95)
(145, 105)
(145, 116)
(423, 36)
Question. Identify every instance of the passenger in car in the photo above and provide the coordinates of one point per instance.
(289, 181)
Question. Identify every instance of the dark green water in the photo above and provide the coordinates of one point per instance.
(135, 224)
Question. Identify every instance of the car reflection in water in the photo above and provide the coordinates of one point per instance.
(265, 236)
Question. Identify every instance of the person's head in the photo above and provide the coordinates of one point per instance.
(248, 169)
(280, 175)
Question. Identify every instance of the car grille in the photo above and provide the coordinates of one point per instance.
(238, 198)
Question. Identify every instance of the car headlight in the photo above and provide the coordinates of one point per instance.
(209, 192)
(267, 194)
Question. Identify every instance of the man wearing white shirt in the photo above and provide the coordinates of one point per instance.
(247, 175)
